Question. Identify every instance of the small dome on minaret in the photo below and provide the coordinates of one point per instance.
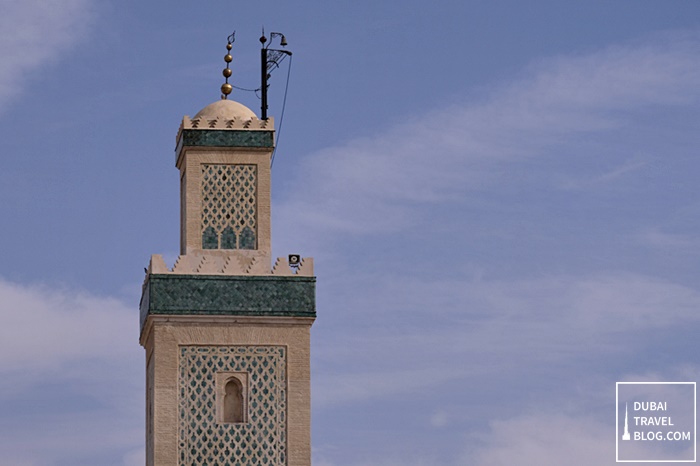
(226, 110)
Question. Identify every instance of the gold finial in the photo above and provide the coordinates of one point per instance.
(226, 88)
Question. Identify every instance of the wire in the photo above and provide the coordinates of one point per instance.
(284, 104)
(244, 89)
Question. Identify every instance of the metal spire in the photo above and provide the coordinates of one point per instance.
(226, 88)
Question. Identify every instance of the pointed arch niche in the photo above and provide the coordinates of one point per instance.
(231, 397)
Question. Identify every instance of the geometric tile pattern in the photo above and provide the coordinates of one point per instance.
(225, 138)
(170, 294)
(229, 205)
(262, 441)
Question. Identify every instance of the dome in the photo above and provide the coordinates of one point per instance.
(227, 110)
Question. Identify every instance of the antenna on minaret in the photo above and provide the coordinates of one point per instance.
(226, 88)
(269, 59)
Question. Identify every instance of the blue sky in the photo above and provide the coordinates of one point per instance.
(501, 199)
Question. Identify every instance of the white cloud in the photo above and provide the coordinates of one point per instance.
(627, 167)
(575, 429)
(70, 363)
(479, 329)
(669, 241)
(45, 329)
(419, 332)
(382, 183)
(439, 418)
(35, 33)
(378, 381)
(536, 440)
(572, 425)
(135, 458)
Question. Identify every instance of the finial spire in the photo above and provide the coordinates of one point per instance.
(226, 88)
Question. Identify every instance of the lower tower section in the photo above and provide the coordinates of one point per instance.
(228, 377)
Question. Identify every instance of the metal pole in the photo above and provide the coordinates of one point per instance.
(263, 83)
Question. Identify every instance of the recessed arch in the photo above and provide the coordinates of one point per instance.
(233, 400)
(231, 397)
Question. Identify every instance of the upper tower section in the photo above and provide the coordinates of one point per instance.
(223, 155)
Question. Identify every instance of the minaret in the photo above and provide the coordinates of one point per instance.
(226, 335)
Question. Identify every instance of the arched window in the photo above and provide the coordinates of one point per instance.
(228, 238)
(233, 401)
(247, 238)
(210, 240)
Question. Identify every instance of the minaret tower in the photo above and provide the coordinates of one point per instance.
(226, 333)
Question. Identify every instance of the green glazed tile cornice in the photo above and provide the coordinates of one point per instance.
(226, 138)
(174, 294)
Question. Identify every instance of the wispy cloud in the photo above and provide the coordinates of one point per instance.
(576, 429)
(608, 176)
(560, 107)
(413, 332)
(670, 241)
(535, 440)
(595, 133)
(71, 374)
(46, 329)
(33, 34)
(542, 325)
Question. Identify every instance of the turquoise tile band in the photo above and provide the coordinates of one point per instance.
(174, 294)
(226, 138)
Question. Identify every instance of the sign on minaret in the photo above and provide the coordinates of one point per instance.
(226, 333)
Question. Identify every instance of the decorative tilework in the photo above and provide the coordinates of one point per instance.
(267, 295)
(209, 239)
(229, 206)
(228, 239)
(226, 138)
(260, 441)
(247, 238)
